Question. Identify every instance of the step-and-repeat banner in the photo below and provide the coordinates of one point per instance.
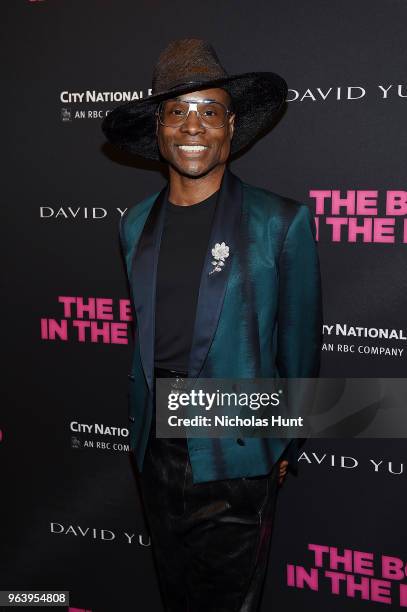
(72, 519)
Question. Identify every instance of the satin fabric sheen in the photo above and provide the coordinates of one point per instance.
(260, 317)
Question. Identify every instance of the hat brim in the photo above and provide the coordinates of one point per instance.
(257, 98)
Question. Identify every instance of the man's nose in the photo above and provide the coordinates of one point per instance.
(193, 123)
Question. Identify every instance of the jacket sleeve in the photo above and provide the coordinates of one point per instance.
(299, 331)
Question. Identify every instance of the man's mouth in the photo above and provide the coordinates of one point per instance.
(192, 148)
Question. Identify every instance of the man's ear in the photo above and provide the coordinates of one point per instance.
(156, 126)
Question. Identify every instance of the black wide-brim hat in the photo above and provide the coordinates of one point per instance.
(189, 65)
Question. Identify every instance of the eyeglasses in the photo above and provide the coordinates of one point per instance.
(173, 113)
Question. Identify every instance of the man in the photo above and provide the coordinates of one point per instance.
(225, 283)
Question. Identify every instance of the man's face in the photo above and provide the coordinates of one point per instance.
(215, 140)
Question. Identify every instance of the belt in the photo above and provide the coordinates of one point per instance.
(164, 373)
(179, 382)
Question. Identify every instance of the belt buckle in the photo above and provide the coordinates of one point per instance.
(179, 383)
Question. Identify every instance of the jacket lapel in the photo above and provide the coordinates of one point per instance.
(213, 285)
(143, 281)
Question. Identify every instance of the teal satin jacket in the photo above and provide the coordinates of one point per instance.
(260, 317)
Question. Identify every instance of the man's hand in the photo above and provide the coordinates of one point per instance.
(282, 473)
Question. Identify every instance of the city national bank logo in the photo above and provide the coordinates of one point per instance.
(91, 430)
(352, 574)
(375, 340)
(78, 609)
(92, 320)
(91, 98)
(101, 535)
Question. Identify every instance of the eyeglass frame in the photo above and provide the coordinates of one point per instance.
(194, 103)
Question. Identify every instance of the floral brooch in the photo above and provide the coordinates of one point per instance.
(219, 253)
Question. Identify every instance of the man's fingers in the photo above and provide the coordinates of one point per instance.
(282, 471)
(283, 465)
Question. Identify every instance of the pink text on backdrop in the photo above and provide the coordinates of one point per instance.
(354, 216)
(352, 573)
(92, 319)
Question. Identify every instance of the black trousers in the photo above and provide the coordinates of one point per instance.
(210, 540)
